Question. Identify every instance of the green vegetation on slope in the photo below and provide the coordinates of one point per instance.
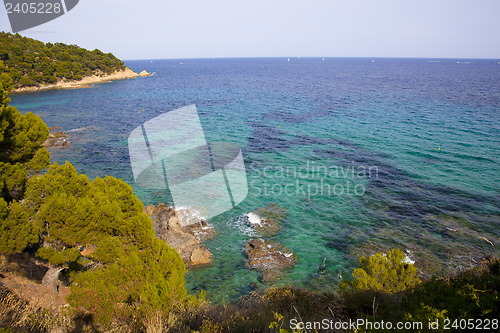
(470, 295)
(33, 63)
(96, 231)
(21, 151)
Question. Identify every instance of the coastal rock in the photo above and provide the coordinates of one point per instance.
(144, 73)
(267, 220)
(56, 139)
(269, 258)
(185, 240)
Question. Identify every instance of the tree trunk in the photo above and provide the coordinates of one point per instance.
(51, 278)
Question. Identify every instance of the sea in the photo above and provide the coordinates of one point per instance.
(363, 154)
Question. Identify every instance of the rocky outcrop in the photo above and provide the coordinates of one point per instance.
(267, 220)
(269, 258)
(186, 240)
(144, 73)
(56, 140)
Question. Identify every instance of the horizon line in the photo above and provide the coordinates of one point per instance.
(316, 57)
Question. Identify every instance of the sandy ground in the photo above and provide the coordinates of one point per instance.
(87, 81)
(22, 275)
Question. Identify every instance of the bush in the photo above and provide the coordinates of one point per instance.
(21, 150)
(139, 283)
(388, 273)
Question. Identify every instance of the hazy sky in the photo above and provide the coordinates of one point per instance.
(153, 29)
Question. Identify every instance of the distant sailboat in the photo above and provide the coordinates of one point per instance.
(288, 59)
(323, 59)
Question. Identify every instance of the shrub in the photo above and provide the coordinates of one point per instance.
(388, 273)
(21, 151)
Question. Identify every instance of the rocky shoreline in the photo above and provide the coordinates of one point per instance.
(185, 240)
(264, 255)
(87, 81)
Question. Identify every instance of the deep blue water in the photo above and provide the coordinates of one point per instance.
(409, 149)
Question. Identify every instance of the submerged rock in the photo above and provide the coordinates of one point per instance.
(185, 240)
(269, 258)
(267, 220)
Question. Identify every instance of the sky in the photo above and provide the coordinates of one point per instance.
(171, 29)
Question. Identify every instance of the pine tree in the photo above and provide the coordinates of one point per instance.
(21, 150)
(388, 273)
(97, 229)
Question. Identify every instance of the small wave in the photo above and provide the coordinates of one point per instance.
(188, 215)
(242, 224)
(286, 255)
(254, 219)
(82, 129)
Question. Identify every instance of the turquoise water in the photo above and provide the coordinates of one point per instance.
(364, 155)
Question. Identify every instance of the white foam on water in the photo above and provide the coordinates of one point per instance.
(242, 224)
(287, 255)
(408, 259)
(188, 216)
(81, 129)
(254, 219)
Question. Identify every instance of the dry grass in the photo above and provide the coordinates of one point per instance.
(28, 317)
(154, 322)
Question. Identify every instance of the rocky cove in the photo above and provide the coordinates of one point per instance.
(262, 254)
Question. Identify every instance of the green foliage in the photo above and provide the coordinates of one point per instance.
(21, 150)
(139, 282)
(76, 212)
(108, 249)
(383, 272)
(278, 323)
(21, 156)
(59, 256)
(16, 229)
(136, 271)
(32, 63)
(472, 294)
(13, 179)
(60, 213)
(3, 209)
(209, 326)
(425, 314)
(5, 79)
